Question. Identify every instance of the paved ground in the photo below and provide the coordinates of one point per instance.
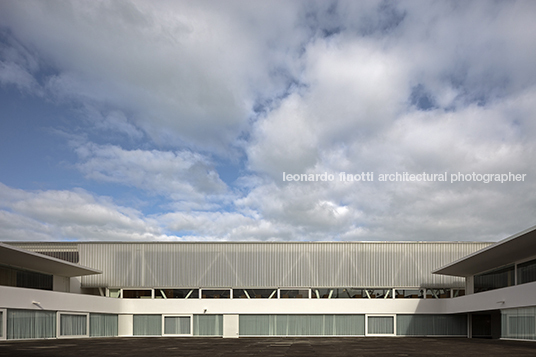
(269, 347)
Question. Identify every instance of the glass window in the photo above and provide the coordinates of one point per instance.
(103, 325)
(29, 324)
(137, 294)
(73, 325)
(115, 293)
(294, 294)
(208, 325)
(526, 272)
(377, 293)
(409, 294)
(495, 279)
(431, 325)
(176, 293)
(458, 292)
(147, 325)
(24, 278)
(437, 293)
(254, 293)
(301, 325)
(381, 325)
(216, 294)
(519, 323)
(177, 325)
(338, 293)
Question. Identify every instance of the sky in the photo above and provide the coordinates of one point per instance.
(267, 120)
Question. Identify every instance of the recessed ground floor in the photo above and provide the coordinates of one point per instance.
(272, 347)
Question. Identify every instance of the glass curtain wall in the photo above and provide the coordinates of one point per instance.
(495, 279)
(208, 325)
(431, 325)
(526, 272)
(519, 323)
(22, 324)
(147, 325)
(103, 325)
(24, 279)
(302, 325)
(73, 325)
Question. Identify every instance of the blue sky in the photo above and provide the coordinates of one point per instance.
(175, 120)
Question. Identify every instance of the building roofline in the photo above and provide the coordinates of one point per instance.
(23, 259)
(517, 247)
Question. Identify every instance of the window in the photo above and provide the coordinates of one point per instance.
(24, 324)
(137, 294)
(254, 293)
(103, 325)
(494, 279)
(437, 293)
(216, 294)
(294, 294)
(24, 278)
(73, 325)
(208, 325)
(409, 294)
(147, 325)
(161, 293)
(177, 325)
(526, 272)
(519, 323)
(380, 325)
(301, 325)
(2, 324)
(114, 293)
(431, 325)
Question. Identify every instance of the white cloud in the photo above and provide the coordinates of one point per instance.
(301, 87)
(70, 215)
(180, 176)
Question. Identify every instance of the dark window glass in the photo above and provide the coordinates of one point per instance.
(177, 293)
(136, 294)
(254, 293)
(526, 272)
(294, 294)
(495, 279)
(216, 294)
(24, 278)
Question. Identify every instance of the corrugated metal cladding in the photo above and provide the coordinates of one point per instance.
(64, 251)
(313, 264)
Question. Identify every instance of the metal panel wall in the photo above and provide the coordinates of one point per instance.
(311, 264)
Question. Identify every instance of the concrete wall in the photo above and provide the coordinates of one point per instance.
(20, 298)
(505, 298)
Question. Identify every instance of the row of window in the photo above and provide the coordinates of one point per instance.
(506, 276)
(32, 324)
(274, 293)
(24, 279)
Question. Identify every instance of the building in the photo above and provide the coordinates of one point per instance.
(234, 289)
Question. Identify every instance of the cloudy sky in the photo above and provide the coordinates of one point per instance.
(176, 120)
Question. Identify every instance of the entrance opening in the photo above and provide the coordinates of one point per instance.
(486, 324)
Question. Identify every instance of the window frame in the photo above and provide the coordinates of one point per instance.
(58, 324)
(380, 334)
(3, 322)
(177, 334)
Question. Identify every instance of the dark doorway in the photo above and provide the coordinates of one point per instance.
(486, 324)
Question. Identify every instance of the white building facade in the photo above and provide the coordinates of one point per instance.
(97, 289)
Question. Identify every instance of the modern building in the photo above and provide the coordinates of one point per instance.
(234, 289)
